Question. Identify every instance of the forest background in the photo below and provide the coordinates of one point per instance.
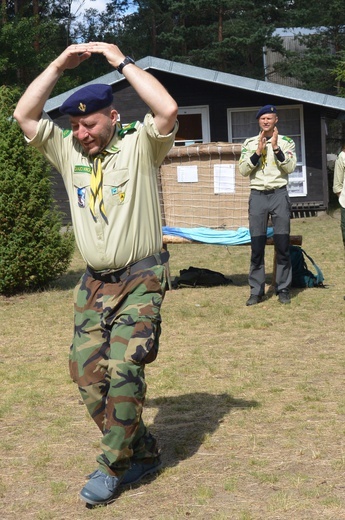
(224, 35)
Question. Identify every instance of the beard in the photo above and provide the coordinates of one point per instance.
(102, 140)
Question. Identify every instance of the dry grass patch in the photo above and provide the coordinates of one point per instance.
(247, 402)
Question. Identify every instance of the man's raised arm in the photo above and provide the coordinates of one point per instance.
(30, 106)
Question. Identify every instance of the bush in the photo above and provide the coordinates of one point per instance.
(33, 250)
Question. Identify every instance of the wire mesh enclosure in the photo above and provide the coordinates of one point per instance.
(200, 186)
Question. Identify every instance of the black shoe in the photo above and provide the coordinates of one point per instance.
(139, 470)
(284, 297)
(253, 299)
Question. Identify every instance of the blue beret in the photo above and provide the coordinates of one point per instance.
(87, 100)
(267, 109)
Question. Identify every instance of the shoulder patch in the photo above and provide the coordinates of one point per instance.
(288, 139)
(131, 127)
(66, 132)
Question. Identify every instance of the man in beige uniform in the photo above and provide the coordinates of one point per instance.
(339, 187)
(268, 159)
(110, 177)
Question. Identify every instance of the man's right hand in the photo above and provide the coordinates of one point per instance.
(261, 143)
(72, 57)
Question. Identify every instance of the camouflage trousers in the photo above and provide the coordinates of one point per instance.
(117, 329)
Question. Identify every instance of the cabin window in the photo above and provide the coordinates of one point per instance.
(194, 126)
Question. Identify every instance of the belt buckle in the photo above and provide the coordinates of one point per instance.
(114, 275)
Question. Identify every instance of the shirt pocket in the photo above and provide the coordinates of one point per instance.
(81, 183)
(116, 188)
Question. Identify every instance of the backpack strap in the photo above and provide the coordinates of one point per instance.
(319, 274)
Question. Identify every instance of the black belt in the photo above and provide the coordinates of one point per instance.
(269, 192)
(118, 275)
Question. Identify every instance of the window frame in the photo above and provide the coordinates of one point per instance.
(204, 111)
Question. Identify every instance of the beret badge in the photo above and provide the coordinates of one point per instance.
(267, 109)
(82, 107)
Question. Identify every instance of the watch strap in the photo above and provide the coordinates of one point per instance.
(125, 62)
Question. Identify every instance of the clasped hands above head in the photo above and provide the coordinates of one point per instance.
(85, 50)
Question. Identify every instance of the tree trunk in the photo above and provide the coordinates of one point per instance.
(35, 6)
(220, 23)
(3, 12)
(153, 33)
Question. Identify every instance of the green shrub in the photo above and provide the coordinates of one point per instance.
(33, 250)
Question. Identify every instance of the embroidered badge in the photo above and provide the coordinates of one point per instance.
(81, 197)
(82, 168)
(66, 132)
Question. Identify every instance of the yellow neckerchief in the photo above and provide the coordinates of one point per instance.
(264, 155)
(96, 186)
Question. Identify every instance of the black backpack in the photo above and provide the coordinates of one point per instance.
(200, 277)
(301, 275)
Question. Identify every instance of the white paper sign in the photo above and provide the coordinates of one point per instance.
(187, 174)
(224, 178)
(297, 186)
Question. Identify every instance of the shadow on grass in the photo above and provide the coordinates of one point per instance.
(182, 425)
(67, 281)
(184, 422)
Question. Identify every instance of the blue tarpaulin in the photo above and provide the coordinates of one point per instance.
(213, 236)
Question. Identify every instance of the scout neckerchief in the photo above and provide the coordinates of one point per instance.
(264, 155)
(263, 158)
(97, 187)
(97, 174)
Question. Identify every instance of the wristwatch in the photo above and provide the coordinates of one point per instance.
(125, 62)
(276, 149)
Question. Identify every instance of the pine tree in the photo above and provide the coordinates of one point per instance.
(33, 250)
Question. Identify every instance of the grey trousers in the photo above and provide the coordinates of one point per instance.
(277, 205)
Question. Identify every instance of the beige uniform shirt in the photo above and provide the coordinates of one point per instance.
(130, 191)
(338, 179)
(269, 173)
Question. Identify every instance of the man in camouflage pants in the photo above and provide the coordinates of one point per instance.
(110, 174)
(115, 336)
